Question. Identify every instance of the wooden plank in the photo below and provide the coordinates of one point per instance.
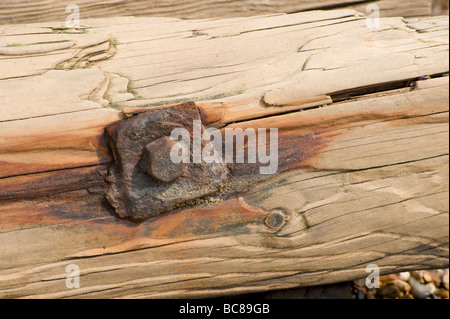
(51, 183)
(22, 11)
(207, 247)
(255, 68)
(392, 8)
(55, 142)
(440, 7)
(363, 155)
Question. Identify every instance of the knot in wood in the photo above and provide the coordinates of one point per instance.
(275, 219)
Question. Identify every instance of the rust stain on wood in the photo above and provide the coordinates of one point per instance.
(88, 214)
(136, 191)
(51, 183)
(296, 150)
(232, 216)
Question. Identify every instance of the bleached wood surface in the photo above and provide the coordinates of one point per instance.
(363, 152)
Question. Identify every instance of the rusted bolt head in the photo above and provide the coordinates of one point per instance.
(158, 163)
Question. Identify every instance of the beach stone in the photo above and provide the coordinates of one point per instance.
(404, 276)
(390, 290)
(431, 287)
(442, 293)
(402, 285)
(418, 275)
(370, 295)
(387, 278)
(418, 290)
(432, 277)
(360, 282)
(445, 280)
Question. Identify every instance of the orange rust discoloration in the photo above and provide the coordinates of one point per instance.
(40, 145)
(78, 211)
(212, 112)
(296, 150)
(305, 148)
(231, 216)
(59, 210)
(188, 106)
(51, 183)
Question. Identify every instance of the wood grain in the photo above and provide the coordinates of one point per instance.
(14, 11)
(363, 139)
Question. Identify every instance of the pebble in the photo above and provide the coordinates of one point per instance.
(444, 294)
(402, 285)
(427, 276)
(440, 272)
(360, 282)
(437, 279)
(358, 289)
(418, 275)
(387, 278)
(404, 276)
(370, 295)
(390, 290)
(431, 287)
(445, 280)
(418, 290)
(431, 276)
(420, 284)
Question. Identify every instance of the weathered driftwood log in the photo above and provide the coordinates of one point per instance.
(26, 11)
(362, 119)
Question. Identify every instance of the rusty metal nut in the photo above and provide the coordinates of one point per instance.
(158, 163)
